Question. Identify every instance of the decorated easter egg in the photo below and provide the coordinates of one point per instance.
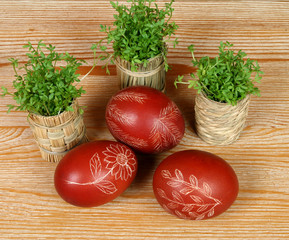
(195, 185)
(95, 173)
(145, 119)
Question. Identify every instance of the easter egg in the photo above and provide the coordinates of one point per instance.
(195, 184)
(95, 173)
(145, 119)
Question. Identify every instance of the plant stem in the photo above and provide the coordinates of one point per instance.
(97, 180)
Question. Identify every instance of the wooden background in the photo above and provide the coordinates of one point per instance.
(29, 205)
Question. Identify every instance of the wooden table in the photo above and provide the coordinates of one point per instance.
(29, 205)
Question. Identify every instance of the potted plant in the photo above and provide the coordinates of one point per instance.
(139, 36)
(48, 92)
(224, 86)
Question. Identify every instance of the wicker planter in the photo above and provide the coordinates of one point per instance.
(220, 123)
(153, 75)
(56, 135)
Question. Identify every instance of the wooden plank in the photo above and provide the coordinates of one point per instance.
(30, 207)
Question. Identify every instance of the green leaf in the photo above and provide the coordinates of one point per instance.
(191, 48)
(10, 107)
(69, 108)
(4, 91)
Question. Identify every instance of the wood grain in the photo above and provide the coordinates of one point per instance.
(30, 207)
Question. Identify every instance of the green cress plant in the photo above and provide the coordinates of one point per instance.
(140, 32)
(225, 78)
(45, 88)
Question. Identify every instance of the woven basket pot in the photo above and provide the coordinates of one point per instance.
(220, 123)
(56, 135)
(153, 75)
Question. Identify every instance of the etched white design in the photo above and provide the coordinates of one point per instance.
(120, 116)
(123, 136)
(203, 204)
(121, 163)
(120, 160)
(165, 133)
(131, 97)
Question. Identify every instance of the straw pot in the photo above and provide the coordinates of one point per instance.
(153, 75)
(220, 123)
(56, 135)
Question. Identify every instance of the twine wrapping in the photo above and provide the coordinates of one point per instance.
(153, 75)
(220, 123)
(56, 135)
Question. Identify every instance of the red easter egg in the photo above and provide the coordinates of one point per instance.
(145, 119)
(195, 185)
(95, 173)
